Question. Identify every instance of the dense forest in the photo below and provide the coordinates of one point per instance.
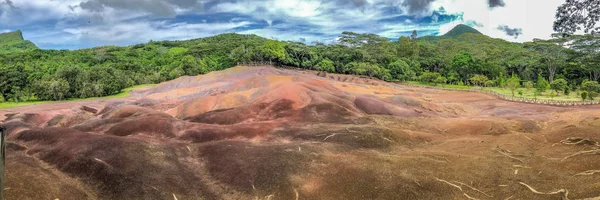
(463, 56)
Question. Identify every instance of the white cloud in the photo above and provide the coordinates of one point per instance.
(116, 22)
(535, 17)
(144, 31)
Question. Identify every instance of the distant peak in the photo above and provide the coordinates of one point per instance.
(15, 35)
(461, 29)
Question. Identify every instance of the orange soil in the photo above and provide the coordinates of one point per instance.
(268, 133)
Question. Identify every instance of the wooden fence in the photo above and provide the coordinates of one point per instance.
(513, 99)
(2, 160)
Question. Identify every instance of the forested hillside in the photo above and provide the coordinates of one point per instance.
(460, 57)
(12, 42)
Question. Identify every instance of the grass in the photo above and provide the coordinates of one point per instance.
(123, 94)
(529, 94)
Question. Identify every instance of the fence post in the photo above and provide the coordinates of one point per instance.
(2, 160)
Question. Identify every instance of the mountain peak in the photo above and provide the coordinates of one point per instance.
(461, 29)
(12, 36)
(12, 42)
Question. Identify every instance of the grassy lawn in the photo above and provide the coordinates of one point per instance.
(530, 94)
(441, 85)
(123, 94)
(573, 96)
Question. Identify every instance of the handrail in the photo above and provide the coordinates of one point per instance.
(2, 160)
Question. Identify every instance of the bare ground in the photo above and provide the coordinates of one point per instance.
(266, 133)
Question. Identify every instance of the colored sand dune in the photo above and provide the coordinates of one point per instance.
(269, 133)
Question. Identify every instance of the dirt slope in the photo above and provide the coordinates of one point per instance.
(268, 133)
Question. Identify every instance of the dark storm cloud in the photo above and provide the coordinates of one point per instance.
(514, 32)
(496, 3)
(10, 3)
(158, 8)
(417, 6)
(6, 5)
(353, 3)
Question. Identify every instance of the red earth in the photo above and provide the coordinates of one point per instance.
(269, 133)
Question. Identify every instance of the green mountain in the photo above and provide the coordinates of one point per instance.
(461, 29)
(13, 42)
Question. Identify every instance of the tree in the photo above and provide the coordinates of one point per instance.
(591, 87)
(429, 77)
(559, 85)
(325, 65)
(513, 83)
(401, 70)
(464, 65)
(542, 84)
(490, 83)
(551, 54)
(584, 95)
(585, 50)
(572, 15)
(74, 75)
(273, 50)
(414, 44)
(479, 80)
(191, 67)
(358, 40)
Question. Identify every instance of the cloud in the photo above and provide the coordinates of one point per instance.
(417, 6)
(496, 3)
(156, 8)
(6, 6)
(87, 23)
(514, 32)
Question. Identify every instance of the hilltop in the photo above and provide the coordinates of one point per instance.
(461, 29)
(13, 42)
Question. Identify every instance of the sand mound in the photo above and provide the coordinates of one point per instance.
(268, 133)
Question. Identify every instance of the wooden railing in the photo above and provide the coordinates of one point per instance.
(2, 160)
(513, 99)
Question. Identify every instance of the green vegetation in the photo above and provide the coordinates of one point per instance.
(461, 29)
(13, 42)
(463, 57)
(122, 94)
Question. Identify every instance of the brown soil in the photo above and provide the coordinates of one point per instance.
(267, 133)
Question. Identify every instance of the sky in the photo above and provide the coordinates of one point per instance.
(75, 24)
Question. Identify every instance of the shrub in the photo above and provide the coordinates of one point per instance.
(584, 95)
(542, 84)
(552, 94)
(440, 80)
(513, 83)
(559, 85)
(591, 87)
(479, 80)
(429, 77)
(529, 85)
